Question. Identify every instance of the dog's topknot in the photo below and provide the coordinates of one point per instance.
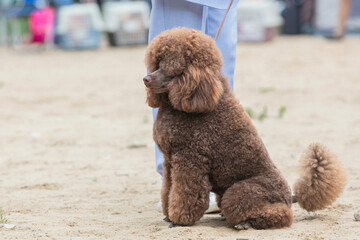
(174, 49)
(322, 179)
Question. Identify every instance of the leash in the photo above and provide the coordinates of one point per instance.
(223, 20)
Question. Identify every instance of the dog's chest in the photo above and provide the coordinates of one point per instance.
(172, 129)
(161, 135)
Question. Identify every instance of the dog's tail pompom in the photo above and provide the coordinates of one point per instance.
(322, 179)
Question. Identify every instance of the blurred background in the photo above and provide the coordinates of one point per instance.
(76, 151)
(87, 24)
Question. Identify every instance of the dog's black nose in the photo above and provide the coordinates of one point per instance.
(147, 79)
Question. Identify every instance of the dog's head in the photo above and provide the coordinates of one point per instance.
(185, 70)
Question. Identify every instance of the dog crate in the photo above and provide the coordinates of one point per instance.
(258, 21)
(126, 23)
(326, 16)
(79, 27)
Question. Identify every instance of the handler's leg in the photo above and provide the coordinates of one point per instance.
(168, 14)
(344, 12)
(165, 15)
(227, 39)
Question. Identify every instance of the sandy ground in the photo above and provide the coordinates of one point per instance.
(69, 122)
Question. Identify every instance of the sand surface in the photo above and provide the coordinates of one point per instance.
(76, 148)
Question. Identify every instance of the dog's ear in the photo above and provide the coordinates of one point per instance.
(155, 100)
(196, 90)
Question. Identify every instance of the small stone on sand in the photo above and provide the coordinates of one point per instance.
(357, 215)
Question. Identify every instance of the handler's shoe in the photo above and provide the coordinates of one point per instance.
(213, 207)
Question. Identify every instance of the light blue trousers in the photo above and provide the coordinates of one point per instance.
(168, 14)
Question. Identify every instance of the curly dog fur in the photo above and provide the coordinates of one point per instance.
(209, 142)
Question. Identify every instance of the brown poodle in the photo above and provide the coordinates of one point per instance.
(210, 144)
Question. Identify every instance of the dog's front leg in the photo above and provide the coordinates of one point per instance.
(189, 193)
(165, 191)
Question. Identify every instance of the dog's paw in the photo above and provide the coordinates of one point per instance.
(242, 226)
(166, 219)
(172, 225)
(222, 217)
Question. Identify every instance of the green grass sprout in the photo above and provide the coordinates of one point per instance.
(250, 112)
(3, 219)
(266, 89)
(145, 119)
(263, 114)
(282, 111)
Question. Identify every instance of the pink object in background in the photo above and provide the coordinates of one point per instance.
(41, 25)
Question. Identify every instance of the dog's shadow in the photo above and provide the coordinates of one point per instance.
(209, 221)
(311, 217)
(212, 220)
